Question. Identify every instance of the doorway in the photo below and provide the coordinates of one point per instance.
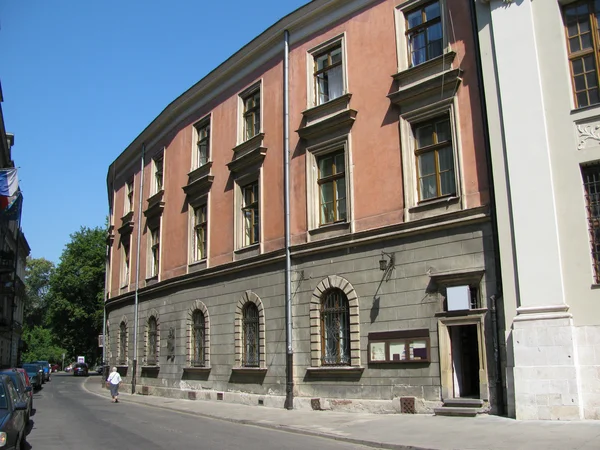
(465, 361)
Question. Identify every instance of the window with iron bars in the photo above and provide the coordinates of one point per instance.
(123, 343)
(335, 329)
(152, 341)
(591, 184)
(198, 341)
(251, 349)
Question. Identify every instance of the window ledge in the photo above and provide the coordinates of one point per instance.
(156, 205)
(425, 70)
(247, 252)
(340, 103)
(335, 370)
(248, 153)
(329, 230)
(249, 370)
(440, 86)
(434, 203)
(339, 120)
(149, 368)
(464, 312)
(193, 369)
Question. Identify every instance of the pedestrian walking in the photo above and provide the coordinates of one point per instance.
(114, 380)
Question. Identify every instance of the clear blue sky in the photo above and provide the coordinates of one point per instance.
(81, 79)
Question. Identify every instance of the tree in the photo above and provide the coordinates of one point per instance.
(40, 346)
(75, 298)
(37, 285)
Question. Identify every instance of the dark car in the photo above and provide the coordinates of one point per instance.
(21, 388)
(35, 375)
(12, 416)
(46, 368)
(40, 369)
(28, 385)
(80, 369)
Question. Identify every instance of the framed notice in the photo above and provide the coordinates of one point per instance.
(400, 346)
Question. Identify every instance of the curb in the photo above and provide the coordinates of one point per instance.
(285, 428)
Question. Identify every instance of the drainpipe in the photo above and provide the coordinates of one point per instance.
(493, 216)
(289, 387)
(137, 272)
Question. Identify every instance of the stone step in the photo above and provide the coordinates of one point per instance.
(456, 411)
(464, 402)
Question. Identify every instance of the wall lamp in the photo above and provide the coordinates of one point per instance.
(387, 264)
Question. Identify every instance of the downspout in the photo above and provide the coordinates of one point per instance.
(137, 272)
(493, 300)
(14, 294)
(107, 271)
(289, 388)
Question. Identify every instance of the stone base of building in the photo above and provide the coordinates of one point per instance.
(395, 406)
(556, 369)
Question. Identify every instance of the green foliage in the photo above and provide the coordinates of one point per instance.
(37, 285)
(75, 299)
(40, 346)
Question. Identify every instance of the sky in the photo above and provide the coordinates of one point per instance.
(81, 79)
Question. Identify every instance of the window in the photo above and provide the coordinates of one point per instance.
(198, 341)
(328, 75)
(335, 329)
(123, 343)
(251, 353)
(126, 261)
(200, 229)
(581, 26)
(251, 114)
(152, 341)
(158, 174)
(250, 213)
(202, 143)
(591, 184)
(332, 187)
(155, 251)
(129, 199)
(435, 159)
(424, 33)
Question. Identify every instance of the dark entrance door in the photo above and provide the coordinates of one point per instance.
(465, 360)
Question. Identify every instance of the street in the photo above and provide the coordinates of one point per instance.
(68, 417)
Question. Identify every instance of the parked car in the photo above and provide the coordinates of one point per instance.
(40, 369)
(69, 368)
(12, 416)
(46, 368)
(35, 374)
(22, 390)
(54, 367)
(28, 384)
(81, 369)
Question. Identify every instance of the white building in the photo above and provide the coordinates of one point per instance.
(540, 68)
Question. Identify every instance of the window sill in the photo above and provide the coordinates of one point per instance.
(464, 312)
(329, 230)
(339, 121)
(192, 369)
(199, 182)
(335, 371)
(249, 370)
(195, 266)
(152, 280)
(433, 203)
(156, 205)
(248, 153)
(247, 252)
(337, 104)
(426, 69)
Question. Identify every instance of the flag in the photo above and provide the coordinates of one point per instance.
(9, 182)
(12, 210)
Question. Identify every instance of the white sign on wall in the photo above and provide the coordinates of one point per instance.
(81, 359)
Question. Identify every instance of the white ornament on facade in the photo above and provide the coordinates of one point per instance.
(586, 132)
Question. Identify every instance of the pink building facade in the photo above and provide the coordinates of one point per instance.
(393, 264)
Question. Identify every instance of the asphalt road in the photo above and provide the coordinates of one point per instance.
(68, 417)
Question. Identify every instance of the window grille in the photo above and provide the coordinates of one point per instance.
(152, 341)
(335, 329)
(123, 343)
(591, 184)
(198, 342)
(251, 350)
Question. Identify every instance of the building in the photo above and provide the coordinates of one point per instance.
(14, 250)
(375, 289)
(540, 72)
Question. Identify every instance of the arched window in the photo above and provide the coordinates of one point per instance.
(335, 329)
(251, 349)
(198, 339)
(123, 343)
(152, 341)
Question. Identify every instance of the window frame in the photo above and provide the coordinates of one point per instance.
(434, 148)
(581, 54)
(200, 126)
(343, 355)
(415, 208)
(153, 343)
(423, 26)
(334, 178)
(123, 344)
(387, 338)
(253, 188)
(126, 261)
(158, 167)
(313, 207)
(129, 196)
(203, 226)
(256, 112)
(197, 361)
(402, 44)
(154, 251)
(247, 323)
(313, 55)
(592, 219)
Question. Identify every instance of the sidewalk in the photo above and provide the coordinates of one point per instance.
(389, 431)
